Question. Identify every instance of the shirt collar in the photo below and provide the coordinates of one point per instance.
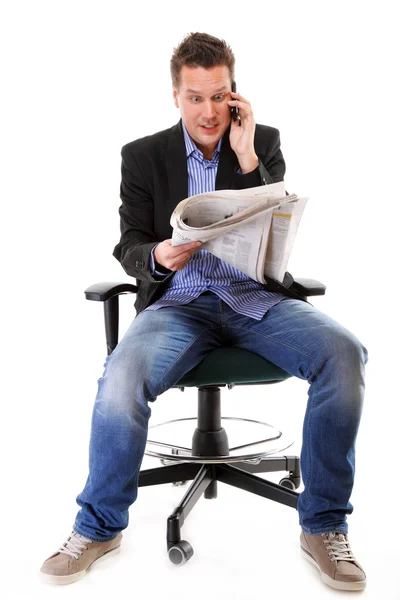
(192, 148)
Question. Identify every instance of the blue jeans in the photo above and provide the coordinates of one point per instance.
(160, 346)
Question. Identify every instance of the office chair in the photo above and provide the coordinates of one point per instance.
(210, 458)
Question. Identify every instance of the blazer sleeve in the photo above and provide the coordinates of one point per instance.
(136, 222)
(271, 165)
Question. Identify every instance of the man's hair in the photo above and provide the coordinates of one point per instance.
(201, 50)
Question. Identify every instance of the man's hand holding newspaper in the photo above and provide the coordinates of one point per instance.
(252, 229)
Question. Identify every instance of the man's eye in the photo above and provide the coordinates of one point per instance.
(217, 97)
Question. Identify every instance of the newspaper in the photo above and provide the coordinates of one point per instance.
(252, 229)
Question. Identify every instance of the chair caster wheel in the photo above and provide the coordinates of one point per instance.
(180, 552)
(290, 483)
(178, 483)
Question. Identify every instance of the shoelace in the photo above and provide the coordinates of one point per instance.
(74, 545)
(338, 547)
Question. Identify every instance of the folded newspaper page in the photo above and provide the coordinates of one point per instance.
(252, 229)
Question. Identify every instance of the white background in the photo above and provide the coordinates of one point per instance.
(80, 79)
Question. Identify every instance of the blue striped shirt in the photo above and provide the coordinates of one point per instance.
(204, 271)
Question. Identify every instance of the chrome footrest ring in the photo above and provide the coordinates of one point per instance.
(271, 441)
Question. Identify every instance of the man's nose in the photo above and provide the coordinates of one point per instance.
(209, 111)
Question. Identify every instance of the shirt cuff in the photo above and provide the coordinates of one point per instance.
(153, 269)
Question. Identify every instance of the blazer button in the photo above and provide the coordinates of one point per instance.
(140, 263)
(264, 180)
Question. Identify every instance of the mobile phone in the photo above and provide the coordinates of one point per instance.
(234, 109)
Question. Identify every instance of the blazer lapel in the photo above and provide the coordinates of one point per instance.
(176, 167)
(228, 163)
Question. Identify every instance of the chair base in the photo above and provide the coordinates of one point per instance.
(205, 479)
(210, 439)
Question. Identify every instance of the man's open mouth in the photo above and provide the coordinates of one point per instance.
(209, 128)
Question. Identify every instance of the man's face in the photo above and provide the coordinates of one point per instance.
(203, 100)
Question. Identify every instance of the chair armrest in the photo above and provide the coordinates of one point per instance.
(308, 287)
(108, 292)
(295, 288)
(107, 289)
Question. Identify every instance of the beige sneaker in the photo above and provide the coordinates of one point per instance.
(332, 555)
(74, 558)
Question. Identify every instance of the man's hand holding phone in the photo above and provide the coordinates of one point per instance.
(174, 258)
(241, 137)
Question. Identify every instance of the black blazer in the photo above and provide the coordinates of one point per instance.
(155, 180)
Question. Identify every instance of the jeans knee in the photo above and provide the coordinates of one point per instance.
(354, 351)
(344, 349)
(124, 386)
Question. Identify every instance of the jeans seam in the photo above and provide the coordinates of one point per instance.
(278, 341)
(185, 349)
(308, 477)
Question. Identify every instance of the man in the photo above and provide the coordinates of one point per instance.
(189, 302)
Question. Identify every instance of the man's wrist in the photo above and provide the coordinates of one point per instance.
(248, 163)
(155, 267)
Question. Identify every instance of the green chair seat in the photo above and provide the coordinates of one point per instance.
(229, 365)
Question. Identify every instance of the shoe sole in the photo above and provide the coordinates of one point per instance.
(350, 586)
(65, 579)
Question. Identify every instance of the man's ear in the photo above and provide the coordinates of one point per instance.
(175, 95)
